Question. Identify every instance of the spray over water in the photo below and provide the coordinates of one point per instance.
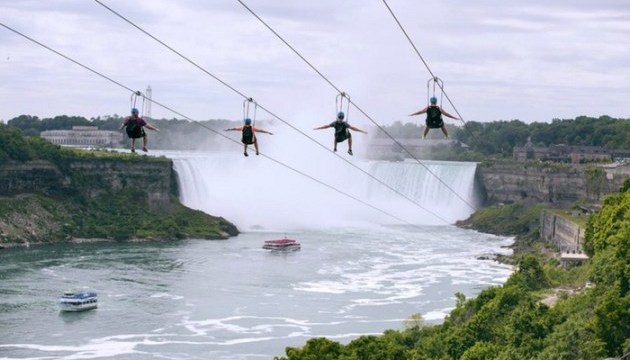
(255, 193)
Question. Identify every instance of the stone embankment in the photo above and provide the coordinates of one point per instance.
(564, 234)
(548, 183)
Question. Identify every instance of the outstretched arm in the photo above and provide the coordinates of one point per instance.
(149, 126)
(232, 129)
(263, 131)
(322, 127)
(421, 111)
(448, 115)
(356, 129)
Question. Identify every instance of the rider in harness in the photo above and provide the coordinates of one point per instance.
(434, 117)
(249, 135)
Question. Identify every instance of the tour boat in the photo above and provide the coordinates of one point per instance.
(78, 301)
(283, 244)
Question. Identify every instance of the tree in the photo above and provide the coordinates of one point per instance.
(529, 275)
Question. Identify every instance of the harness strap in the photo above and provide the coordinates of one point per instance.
(134, 100)
(246, 106)
(432, 84)
(339, 104)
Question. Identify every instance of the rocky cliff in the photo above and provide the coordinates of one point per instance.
(117, 197)
(548, 183)
(91, 178)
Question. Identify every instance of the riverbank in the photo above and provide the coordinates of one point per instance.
(518, 220)
(34, 219)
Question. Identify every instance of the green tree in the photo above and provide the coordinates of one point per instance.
(530, 274)
(315, 349)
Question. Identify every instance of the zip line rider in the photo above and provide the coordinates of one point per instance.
(249, 135)
(135, 129)
(342, 131)
(434, 117)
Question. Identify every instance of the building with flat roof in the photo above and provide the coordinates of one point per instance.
(563, 153)
(83, 136)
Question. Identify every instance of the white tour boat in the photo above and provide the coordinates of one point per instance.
(78, 301)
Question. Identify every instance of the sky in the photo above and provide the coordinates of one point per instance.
(499, 59)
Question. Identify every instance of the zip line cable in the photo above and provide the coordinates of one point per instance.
(435, 78)
(422, 59)
(206, 127)
(353, 103)
(271, 113)
(133, 92)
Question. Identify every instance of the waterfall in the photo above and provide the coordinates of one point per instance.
(257, 194)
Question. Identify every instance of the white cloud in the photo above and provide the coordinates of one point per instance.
(532, 61)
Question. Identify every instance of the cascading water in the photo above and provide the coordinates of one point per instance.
(258, 194)
(446, 189)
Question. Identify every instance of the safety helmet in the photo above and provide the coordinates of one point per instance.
(134, 111)
(340, 115)
(433, 100)
(248, 121)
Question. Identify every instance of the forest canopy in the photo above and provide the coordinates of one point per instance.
(497, 138)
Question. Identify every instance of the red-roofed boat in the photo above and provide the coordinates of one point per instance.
(282, 245)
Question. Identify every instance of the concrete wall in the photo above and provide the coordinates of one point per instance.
(565, 235)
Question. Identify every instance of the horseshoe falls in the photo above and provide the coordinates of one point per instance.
(256, 193)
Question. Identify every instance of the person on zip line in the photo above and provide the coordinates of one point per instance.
(135, 125)
(342, 131)
(434, 117)
(249, 135)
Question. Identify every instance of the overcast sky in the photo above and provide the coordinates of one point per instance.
(499, 59)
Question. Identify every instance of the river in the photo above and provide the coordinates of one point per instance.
(230, 299)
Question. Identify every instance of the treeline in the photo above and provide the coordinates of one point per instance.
(500, 137)
(510, 321)
(496, 138)
(15, 147)
(174, 134)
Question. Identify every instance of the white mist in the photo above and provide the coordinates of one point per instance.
(256, 193)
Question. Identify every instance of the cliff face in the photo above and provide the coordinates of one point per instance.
(545, 183)
(91, 178)
(109, 197)
(97, 178)
(17, 178)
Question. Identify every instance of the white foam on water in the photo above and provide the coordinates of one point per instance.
(229, 324)
(92, 350)
(436, 315)
(402, 273)
(167, 296)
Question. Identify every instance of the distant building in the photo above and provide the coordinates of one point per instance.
(561, 153)
(83, 136)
